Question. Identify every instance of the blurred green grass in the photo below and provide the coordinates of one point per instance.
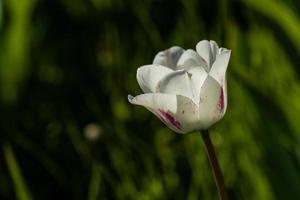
(67, 130)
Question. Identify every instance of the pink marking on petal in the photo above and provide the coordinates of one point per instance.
(221, 101)
(169, 119)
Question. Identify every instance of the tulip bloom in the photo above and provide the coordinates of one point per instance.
(186, 89)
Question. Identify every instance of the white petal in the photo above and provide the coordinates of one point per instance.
(214, 49)
(204, 50)
(219, 67)
(178, 82)
(179, 113)
(148, 76)
(184, 82)
(212, 104)
(197, 78)
(191, 58)
(168, 57)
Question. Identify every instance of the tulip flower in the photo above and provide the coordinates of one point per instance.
(185, 89)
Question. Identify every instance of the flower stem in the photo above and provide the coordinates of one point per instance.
(214, 165)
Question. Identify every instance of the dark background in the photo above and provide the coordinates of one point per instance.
(68, 132)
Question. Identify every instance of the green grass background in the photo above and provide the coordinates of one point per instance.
(65, 64)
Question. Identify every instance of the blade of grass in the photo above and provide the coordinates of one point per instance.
(95, 182)
(281, 14)
(21, 189)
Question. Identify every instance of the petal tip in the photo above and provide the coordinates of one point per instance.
(203, 41)
(224, 51)
(130, 98)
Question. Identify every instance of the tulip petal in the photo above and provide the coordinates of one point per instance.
(191, 58)
(148, 76)
(212, 102)
(204, 50)
(184, 82)
(178, 82)
(218, 69)
(168, 57)
(214, 49)
(179, 113)
(197, 79)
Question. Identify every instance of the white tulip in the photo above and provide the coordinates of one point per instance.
(186, 89)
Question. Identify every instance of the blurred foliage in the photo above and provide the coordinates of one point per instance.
(68, 132)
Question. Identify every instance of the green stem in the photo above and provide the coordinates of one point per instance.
(214, 165)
